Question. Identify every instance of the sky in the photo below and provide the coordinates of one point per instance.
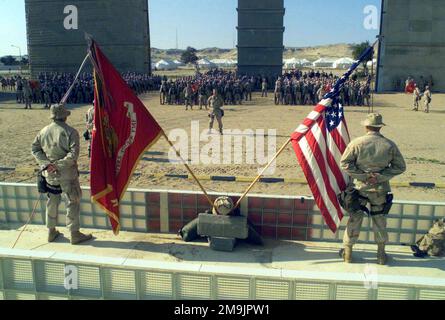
(212, 23)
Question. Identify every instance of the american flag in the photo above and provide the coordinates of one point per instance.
(319, 143)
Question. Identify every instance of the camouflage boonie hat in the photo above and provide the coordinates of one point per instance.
(374, 120)
(59, 112)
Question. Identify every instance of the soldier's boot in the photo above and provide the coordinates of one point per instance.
(346, 254)
(382, 258)
(78, 237)
(53, 234)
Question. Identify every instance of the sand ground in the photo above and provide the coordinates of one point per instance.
(419, 136)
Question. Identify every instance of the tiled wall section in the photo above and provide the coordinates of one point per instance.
(153, 211)
(276, 217)
(287, 219)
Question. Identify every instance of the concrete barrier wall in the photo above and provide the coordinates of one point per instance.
(29, 275)
(166, 211)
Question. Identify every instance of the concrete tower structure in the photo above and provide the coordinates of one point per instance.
(260, 37)
(413, 43)
(56, 45)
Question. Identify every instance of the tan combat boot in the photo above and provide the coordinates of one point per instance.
(347, 254)
(381, 254)
(78, 237)
(53, 234)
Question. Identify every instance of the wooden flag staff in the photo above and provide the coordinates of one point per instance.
(188, 168)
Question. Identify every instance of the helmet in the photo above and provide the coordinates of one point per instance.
(223, 205)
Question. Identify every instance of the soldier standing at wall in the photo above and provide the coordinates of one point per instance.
(371, 161)
(56, 149)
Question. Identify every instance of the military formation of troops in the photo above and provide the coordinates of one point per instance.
(49, 88)
(191, 91)
(292, 88)
(308, 88)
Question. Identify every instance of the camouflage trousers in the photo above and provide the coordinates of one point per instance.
(218, 115)
(72, 193)
(263, 93)
(188, 102)
(427, 106)
(202, 101)
(377, 201)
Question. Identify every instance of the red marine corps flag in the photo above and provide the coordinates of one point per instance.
(123, 130)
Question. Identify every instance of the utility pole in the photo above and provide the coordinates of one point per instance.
(20, 55)
(177, 46)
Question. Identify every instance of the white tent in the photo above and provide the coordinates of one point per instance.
(166, 65)
(291, 63)
(204, 63)
(305, 63)
(296, 63)
(343, 63)
(323, 63)
(223, 63)
(178, 63)
(369, 64)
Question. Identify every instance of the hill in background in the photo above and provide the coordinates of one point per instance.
(309, 53)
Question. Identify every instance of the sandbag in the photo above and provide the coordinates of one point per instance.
(189, 232)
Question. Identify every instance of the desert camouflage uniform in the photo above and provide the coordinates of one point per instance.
(433, 243)
(216, 103)
(58, 144)
(416, 99)
(427, 95)
(372, 153)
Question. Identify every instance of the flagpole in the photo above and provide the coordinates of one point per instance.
(67, 94)
(276, 156)
(188, 168)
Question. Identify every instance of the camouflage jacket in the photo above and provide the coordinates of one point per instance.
(58, 144)
(372, 153)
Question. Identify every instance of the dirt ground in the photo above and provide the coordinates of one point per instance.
(419, 136)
